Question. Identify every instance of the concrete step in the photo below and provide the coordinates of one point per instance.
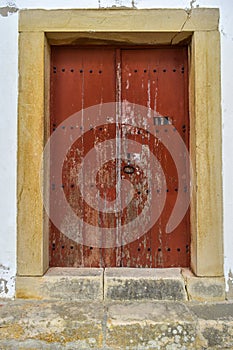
(54, 324)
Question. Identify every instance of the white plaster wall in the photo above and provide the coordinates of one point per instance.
(8, 114)
(8, 139)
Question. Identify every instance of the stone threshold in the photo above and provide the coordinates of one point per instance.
(124, 284)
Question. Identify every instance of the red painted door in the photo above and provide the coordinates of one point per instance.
(156, 79)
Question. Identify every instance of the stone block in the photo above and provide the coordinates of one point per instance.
(119, 20)
(63, 284)
(27, 324)
(204, 288)
(150, 325)
(144, 283)
(215, 325)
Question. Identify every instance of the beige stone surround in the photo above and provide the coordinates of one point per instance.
(38, 29)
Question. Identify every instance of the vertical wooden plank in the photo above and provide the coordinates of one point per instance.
(157, 79)
(82, 77)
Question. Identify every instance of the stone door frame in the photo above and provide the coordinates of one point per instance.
(38, 29)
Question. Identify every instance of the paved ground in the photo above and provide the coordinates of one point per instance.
(30, 324)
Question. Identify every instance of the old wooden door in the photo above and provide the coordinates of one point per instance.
(156, 78)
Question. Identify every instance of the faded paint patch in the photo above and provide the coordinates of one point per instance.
(4, 267)
(7, 282)
(3, 282)
(192, 4)
(3, 286)
(8, 10)
(230, 285)
(134, 4)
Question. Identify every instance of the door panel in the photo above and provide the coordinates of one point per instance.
(154, 78)
(80, 78)
(157, 79)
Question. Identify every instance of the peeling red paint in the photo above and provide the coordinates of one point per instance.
(155, 78)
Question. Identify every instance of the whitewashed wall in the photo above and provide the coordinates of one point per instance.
(8, 117)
